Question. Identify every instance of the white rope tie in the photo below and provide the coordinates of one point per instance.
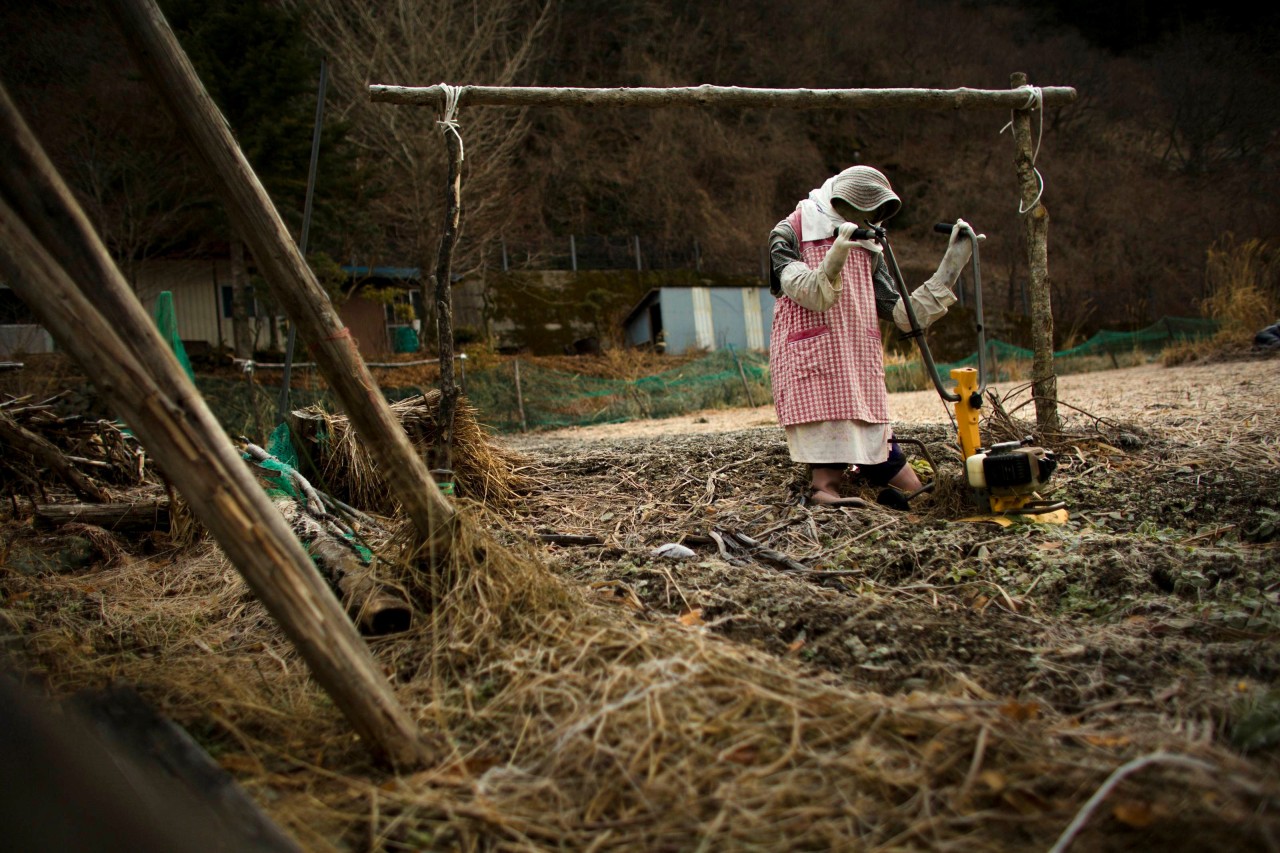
(1035, 102)
(450, 120)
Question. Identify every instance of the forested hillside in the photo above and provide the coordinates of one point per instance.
(1170, 147)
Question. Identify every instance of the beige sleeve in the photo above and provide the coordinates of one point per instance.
(808, 288)
(929, 302)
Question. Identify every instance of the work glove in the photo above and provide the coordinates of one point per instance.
(818, 289)
(833, 263)
(931, 300)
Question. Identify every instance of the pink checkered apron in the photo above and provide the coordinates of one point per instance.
(829, 365)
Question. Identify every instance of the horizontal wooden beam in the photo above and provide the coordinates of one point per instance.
(725, 96)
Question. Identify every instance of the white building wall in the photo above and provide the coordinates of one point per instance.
(704, 327)
(197, 299)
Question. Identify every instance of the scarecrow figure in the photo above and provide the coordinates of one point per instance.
(825, 353)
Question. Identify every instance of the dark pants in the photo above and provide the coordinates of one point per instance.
(880, 473)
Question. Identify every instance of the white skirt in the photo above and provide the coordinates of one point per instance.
(851, 442)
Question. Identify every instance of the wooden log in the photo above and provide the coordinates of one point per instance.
(166, 751)
(133, 516)
(198, 458)
(378, 609)
(293, 285)
(46, 453)
(569, 539)
(524, 426)
(1036, 245)
(719, 97)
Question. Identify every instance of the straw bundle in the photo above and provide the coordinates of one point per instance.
(481, 471)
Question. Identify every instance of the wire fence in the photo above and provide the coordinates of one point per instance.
(521, 395)
(581, 252)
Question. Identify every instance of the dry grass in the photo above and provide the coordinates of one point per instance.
(563, 723)
(1243, 281)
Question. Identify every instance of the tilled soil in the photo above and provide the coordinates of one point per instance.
(1156, 605)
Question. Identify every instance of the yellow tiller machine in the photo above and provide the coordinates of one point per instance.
(1004, 479)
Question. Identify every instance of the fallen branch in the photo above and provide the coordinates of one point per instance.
(569, 539)
(1116, 777)
(776, 557)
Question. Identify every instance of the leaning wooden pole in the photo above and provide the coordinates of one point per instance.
(292, 282)
(719, 97)
(1035, 231)
(444, 300)
(206, 468)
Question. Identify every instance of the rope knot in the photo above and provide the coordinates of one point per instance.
(1035, 103)
(449, 121)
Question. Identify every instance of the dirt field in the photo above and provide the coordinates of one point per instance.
(809, 678)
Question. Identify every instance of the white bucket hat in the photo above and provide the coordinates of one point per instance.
(866, 189)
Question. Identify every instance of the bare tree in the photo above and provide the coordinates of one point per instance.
(140, 196)
(418, 42)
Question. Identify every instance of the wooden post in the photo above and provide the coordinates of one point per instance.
(444, 301)
(520, 397)
(292, 282)
(251, 393)
(743, 373)
(171, 419)
(1036, 241)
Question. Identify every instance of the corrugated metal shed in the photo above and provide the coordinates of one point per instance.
(681, 318)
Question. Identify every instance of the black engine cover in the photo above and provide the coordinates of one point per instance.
(1007, 469)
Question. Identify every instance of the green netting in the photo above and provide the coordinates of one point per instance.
(167, 322)
(1106, 346)
(284, 460)
(552, 398)
(280, 481)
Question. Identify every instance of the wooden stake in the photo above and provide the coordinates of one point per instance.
(720, 97)
(519, 397)
(292, 282)
(444, 301)
(172, 421)
(1036, 242)
(745, 387)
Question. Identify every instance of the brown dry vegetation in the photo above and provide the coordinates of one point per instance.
(924, 683)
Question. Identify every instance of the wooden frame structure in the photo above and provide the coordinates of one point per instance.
(1021, 100)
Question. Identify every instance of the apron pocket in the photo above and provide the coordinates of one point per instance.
(811, 351)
